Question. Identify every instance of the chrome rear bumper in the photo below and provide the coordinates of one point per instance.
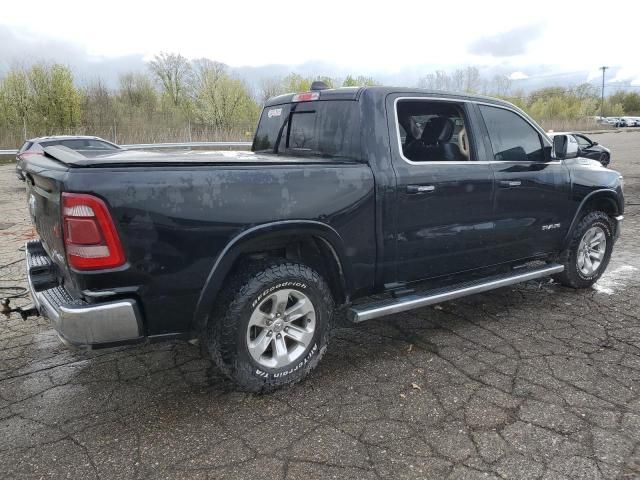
(77, 322)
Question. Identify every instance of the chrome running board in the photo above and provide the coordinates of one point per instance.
(368, 311)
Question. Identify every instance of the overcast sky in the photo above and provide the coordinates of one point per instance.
(520, 38)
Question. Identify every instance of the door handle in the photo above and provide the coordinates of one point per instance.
(510, 183)
(420, 189)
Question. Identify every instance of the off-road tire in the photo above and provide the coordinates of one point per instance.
(226, 331)
(572, 276)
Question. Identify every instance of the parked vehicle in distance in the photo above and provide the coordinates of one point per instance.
(89, 146)
(354, 203)
(616, 122)
(587, 148)
(631, 121)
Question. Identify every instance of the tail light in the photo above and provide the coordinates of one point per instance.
(33, 150)
(90, 236)
(306, 97)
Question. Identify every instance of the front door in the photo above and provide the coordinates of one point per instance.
(532, 190)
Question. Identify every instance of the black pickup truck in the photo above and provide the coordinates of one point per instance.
(354, 203)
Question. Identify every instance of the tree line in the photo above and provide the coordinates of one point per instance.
(178, 100)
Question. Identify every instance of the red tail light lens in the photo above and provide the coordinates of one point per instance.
(306, 97)
(90, 236)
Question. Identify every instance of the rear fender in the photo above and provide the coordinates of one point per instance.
(251, 239)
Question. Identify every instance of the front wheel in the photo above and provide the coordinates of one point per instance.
(272, 325)
(604, 159)
(588, 254)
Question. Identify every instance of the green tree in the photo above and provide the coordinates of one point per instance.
(359, 81)
(137, 94)
(66, 110)
(630, 101)
(219, 99)
(16, 98)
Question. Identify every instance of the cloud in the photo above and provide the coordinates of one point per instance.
(627, 75)
(509, 43)
(18, 48)
(518, 76)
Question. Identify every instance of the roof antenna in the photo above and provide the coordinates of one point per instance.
(319, 85)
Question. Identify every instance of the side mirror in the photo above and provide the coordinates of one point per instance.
(564, 146)
(594, 143)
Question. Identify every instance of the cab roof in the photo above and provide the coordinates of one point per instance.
(64, 137)
(354, 93)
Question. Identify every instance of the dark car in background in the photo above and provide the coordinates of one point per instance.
(89, 146)
(587, 148)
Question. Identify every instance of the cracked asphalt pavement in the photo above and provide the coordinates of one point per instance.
(532, 381)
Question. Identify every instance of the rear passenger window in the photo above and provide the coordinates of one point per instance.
(513, 139)
(432, 131)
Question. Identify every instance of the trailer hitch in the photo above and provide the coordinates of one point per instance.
(25, 312)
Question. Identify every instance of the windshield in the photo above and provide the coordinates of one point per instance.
(82, 144)
(329, 129)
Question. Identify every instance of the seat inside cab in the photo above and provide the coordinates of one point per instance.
(432, 131)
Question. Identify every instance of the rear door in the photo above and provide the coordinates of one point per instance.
(532, 190)
(443, 200)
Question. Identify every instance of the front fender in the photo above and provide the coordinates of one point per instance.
(608, 193)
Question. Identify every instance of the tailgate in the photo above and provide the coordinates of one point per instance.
(44, 179)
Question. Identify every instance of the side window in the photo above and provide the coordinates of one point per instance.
(513, 139)
(582, 141)
(432, 131)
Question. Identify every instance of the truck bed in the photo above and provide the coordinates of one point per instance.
(176, 212)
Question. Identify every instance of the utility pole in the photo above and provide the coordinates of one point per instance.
(604, 69)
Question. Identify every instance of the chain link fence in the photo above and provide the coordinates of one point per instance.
(133, 133)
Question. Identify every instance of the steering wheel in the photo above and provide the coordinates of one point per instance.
(463, 142)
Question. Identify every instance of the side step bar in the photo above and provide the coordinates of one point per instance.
(360, 313)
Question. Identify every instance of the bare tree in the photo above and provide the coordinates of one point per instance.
(270, 87)
(500, 85)
(172, 71)
(438, 80)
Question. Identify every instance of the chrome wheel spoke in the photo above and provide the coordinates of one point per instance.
(281, 354)
(587, 263)
(581, 260)
(258, 318)
(300, 335)
(298, 310)
(280, 300)
(597, 239)
(596, 254)
(261, 343)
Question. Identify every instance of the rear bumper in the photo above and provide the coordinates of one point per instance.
(79, 323)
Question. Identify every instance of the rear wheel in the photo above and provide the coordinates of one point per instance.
(589, 251)
(272, 325)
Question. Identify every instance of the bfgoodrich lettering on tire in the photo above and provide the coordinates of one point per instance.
(589, 251)
(271, 326)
